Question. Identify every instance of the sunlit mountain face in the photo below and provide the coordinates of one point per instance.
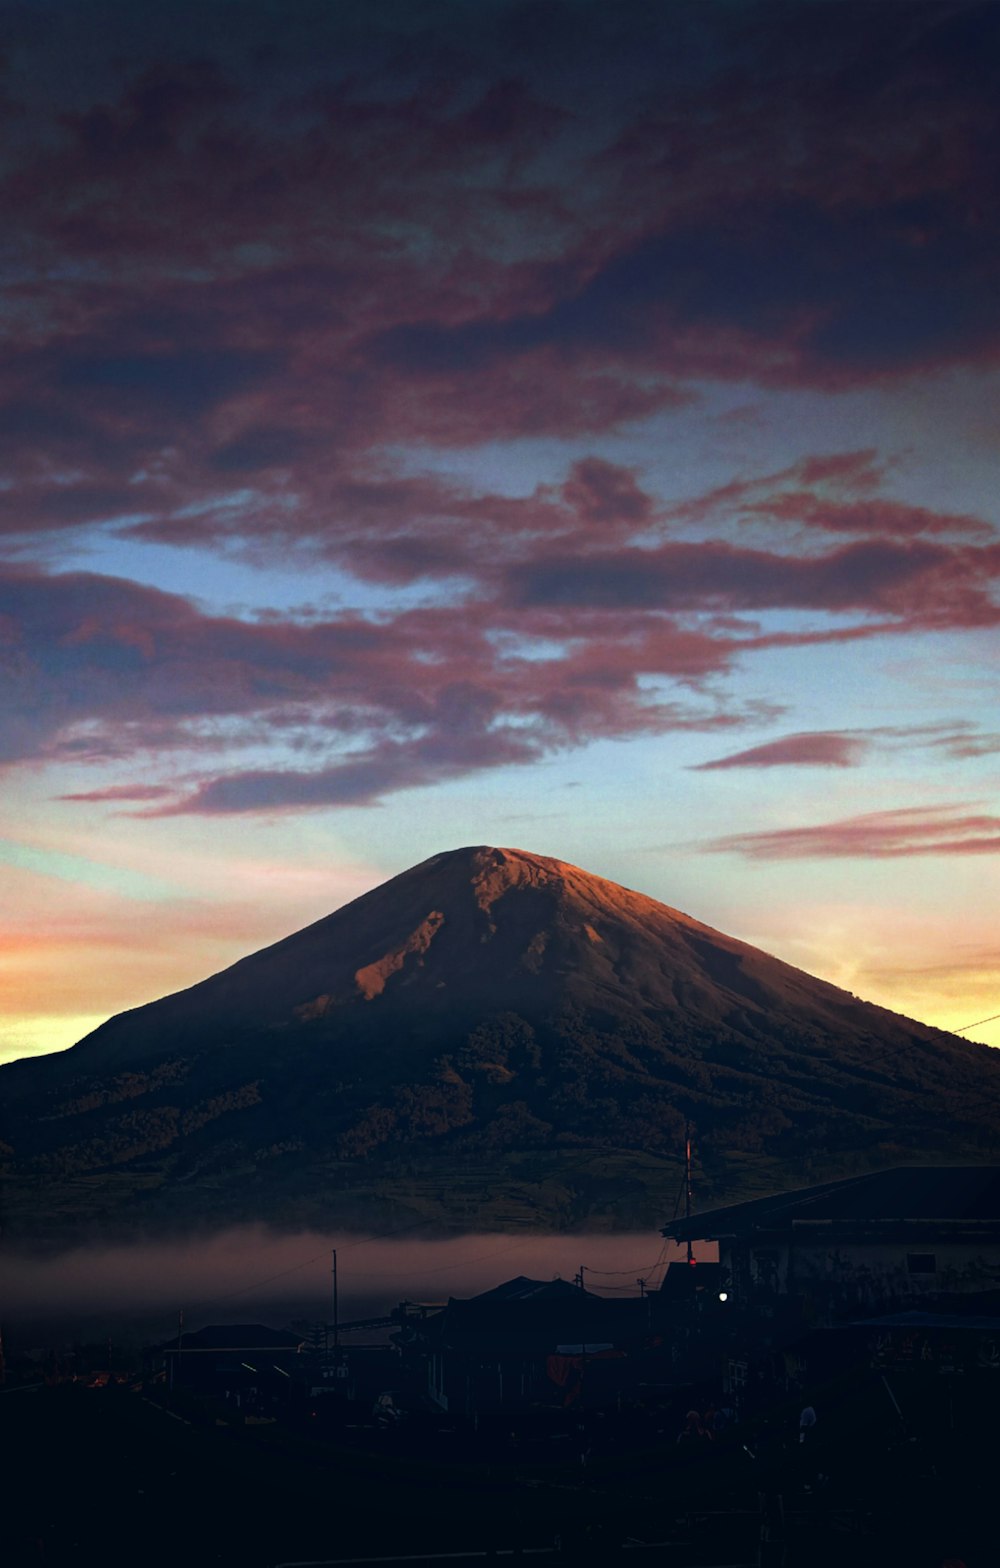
(422, 425)
(494, 1039)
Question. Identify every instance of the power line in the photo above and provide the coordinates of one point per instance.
(619, 1289)
(979, 1021)
(617, 1273)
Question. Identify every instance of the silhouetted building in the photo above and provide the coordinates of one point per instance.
(245, 1363)
(526, 1343)
(869, 1244)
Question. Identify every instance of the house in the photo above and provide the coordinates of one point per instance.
(526, 1343)
(890, 1241)
(245, 1363)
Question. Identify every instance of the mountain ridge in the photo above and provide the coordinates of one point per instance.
(492, 1036)
(495, 872)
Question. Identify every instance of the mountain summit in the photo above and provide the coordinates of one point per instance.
(483, 928)
(491, 1037)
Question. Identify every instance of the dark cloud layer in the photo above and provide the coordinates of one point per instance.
(799, 296)
(924, 584)
(441, 226)
(252, 257)
(411, 222)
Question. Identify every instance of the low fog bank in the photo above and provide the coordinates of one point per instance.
(251, 1274)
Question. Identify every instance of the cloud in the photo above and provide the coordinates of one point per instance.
(833, 492)
(877, 516)
(444, 237)
(881, 835)
(254, 267)
(958, 739)
(818, 749)
(190, 381)
(397, 528)
(101, 670)
(768, 292)
(116, 792)
(561, 630)
(449, 241)
(363, 780)
(919, 582)
(965, 743)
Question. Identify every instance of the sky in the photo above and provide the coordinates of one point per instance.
(562, 425)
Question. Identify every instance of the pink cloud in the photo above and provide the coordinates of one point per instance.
(823, 749)
(116, 792)
(957, 738)
(100, 669)
(879, 517)
(912, 830)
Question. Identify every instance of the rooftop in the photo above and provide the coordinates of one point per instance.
(909, 1192)
(234, 1336)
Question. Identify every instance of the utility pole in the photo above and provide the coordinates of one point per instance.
(578, 1278)
(687, 1188)
(177, 1359)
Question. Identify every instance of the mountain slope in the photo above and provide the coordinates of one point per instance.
(491, 1037)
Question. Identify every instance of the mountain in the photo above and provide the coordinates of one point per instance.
(493, 1038)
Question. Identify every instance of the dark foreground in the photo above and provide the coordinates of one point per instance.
(110, 1477)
